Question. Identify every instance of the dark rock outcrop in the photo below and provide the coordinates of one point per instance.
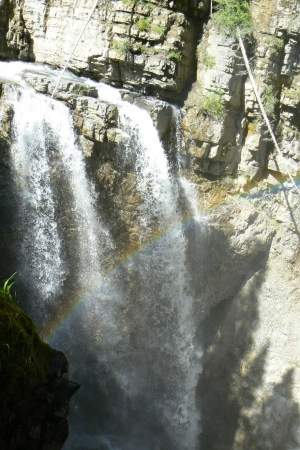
(35, 388)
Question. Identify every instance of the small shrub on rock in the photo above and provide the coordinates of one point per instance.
(212, 104)
(234, 14)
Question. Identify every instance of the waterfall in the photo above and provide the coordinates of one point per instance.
(132, 341)
(53, 193)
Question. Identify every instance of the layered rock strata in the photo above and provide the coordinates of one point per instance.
(152, 48)
(236, 140)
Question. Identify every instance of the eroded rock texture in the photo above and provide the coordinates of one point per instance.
(249, 391)
(249, 388)
(151, 48)
(142, 46)
(238, 142)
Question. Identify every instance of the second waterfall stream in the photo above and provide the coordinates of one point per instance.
(126, 320)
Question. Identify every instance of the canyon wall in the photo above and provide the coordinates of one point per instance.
(247, 264)
(175, 51)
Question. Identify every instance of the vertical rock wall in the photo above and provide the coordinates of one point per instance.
(237, 141)
(152, 48)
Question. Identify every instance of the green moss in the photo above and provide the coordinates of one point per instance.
(24, 357)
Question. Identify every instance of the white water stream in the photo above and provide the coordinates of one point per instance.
(133, 340)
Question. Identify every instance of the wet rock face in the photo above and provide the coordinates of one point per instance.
(248, 393)
(35, 388)
(7, 209)
(40, 421)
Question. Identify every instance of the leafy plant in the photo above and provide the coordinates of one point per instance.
(209, 61)
(294, 94)
(144, 49)
(6, 287)
(226, 148)
(262, 65)
(123, 46)
(278, 45)
(176, 55)
(234, 14)
(128, 2)
(143, 24)
(270, 101)
(149, 7)
(158, 28)
(212, 104)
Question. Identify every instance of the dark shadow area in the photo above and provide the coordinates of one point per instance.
(226, 279)
(274, 425)
(7, 215)
(4, 17)
(231, 373)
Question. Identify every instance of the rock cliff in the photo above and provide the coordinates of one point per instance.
(173, 52)
(153, 48)
(35, 385)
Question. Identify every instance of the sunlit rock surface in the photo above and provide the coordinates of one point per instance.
(242, 261)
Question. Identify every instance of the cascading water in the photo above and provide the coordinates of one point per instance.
(48, 171)
(132, 341)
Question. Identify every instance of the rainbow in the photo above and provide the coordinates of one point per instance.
(71, 306)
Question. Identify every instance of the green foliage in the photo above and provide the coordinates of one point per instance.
(290, 131)
(176, 55)
(6, 287)
(123, 46)
(257, 124)
(143, 24)
(212, 104)
(294, 94)
(208, 60)
(277, 45)
(149, 7)
(128, 2)
(262, 65)
(234, 14)
(226, 148)
(24, 357)
(158, 28)
(144, 49)
(270, 101)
